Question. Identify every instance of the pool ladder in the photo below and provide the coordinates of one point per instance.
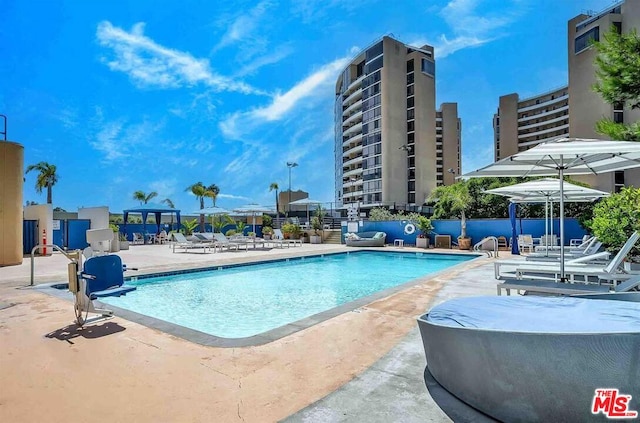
(488, 245)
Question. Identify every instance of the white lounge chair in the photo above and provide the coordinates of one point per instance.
(525, 242)
(610, 272)
(277, 233)
(563, 288)
(182, 242)
(138, 238)
(556, 248)
(222, 241)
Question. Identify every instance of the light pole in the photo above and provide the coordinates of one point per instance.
(290, 165)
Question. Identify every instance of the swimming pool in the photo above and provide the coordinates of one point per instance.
(243, 301)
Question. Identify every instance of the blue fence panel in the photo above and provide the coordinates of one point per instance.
(77, 234)
(59, 235)
(476, 229)
(29, 235)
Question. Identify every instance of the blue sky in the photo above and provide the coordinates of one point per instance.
(157, 95)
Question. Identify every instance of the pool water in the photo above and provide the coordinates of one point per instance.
(243, 301)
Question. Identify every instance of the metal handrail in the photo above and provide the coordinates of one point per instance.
(479, 245)
(55, 247)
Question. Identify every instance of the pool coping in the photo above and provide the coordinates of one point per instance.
(206, 339)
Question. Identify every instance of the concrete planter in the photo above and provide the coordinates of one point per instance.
(115, 243)
(316, 239)
(422, 242)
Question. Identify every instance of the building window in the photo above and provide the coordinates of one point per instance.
(618, 117)
(429, 67)
(411, 138)
(411, 126)
(410, 78)
(411, 114)
(617, 26)
(409, 65)
(411, 186)
(374, 51)
(584, 40)
(411, 197)
(410, 90)
(410, 102)
(374, 65)
(360, 69)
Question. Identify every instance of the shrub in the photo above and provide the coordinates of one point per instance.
(188, 226)
(616, 217)
(381, 214)
(230, 232)
(267, 220)
(424, 225)
(267, 230)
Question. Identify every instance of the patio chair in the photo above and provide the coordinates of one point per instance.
(181, 242)
(138, 238)
(611, 271)
(525, 242)
(220, 240)
(571, 253)
(563, 288)
(277, 233)
(162, 237)
(556, 248)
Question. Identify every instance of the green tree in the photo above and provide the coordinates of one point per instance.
(47, 177)
(143, 197)
(616, 217)
(212, 192)
(274, 186)
(200, 191)
(618, 80)
(455, 199)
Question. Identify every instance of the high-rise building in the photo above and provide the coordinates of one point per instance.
(392, 147)
(572, 110)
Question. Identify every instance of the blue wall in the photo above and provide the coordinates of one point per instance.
(476, 229)
(152, 228)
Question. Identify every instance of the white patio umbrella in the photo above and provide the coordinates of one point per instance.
(565, 156)
(547, 191)
(252, 209)
(212, 211)
(307, 202)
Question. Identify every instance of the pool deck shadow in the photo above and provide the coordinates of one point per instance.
(155, 376)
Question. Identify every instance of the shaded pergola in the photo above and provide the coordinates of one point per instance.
(156, 209)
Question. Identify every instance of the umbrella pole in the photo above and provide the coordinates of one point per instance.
(562, 275)
(546, 225)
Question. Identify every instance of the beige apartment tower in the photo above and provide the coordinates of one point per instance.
(392, 147)
(571, 111)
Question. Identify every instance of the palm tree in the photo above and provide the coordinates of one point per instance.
(47, 177)
(212, 192)
(144, 197)
(200, 191)
(274, 185)
(454, 198)
(169, 203)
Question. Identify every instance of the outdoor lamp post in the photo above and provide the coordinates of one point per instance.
(290, 165)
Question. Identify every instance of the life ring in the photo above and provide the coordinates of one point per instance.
(409, 228)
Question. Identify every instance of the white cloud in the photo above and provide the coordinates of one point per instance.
(243, 26)
(150, 64)
(470, 28)
(107, 141)
(316, 84)
(270, 58)
(164, 188)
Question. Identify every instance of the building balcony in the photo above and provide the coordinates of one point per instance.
(560, 128)
(352, 194)
(564, 110)
(352, 172)
(352, 140)
(544, 123)
(353, 119)
(356, 84)
(352, 130)
(353, 107)
(350, 162)
(543, 104)
(541, 140)
(351, 98)
(352, 183)
(357, 149)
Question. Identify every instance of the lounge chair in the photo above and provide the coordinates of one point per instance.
(222, 241)
(568, 255)
(162, 237)
(563, 288)
(556, 248)
(277, 233)
(366, 239)
(609, 272)
(182, 242)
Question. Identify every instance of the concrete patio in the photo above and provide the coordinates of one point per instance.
(366, 364)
